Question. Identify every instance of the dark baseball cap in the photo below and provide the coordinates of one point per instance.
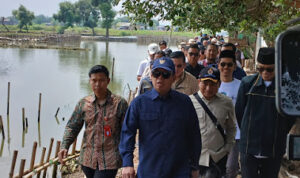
(210, 73)
(164, 63)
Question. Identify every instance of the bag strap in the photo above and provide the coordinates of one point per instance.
(211, 115)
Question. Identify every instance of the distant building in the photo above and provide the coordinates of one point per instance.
(7, 21)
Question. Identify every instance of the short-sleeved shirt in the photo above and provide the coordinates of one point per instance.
(186, 84)
(143, 64)
(102, 131)
(169, 135)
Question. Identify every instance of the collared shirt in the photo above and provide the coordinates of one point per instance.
(213, 144)
(169, 135)
(186, 84)
(144, 86)
(195, 71)
(147, 72)
(102, 131)
(143, 65)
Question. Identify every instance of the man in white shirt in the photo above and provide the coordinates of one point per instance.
(152, 49)
(229, 87)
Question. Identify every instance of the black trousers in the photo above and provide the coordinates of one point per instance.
(253, 167)
(96, 173)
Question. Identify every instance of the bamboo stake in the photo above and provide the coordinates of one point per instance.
(13, 164)
(48, 156)
(8, 96)
(57, 112)
(26, 124)
(23, 139)
(22, 165)
(33, 156)
(39, 134)
(54, 172)
(129, 96)
(2, 128)
(42, 161)
(23, 118)
(112, 69)
(46, 165)
(1, 149)
(74, 147)
(39, 111)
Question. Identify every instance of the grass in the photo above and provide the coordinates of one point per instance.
(39, 29)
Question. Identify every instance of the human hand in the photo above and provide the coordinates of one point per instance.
(128, 172)
(195, 174)
(62, 154)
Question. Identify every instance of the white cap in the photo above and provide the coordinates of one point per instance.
(152, 48)
(214, 40)
(192, 41)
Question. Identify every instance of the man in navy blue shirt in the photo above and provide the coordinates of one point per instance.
(169, 135)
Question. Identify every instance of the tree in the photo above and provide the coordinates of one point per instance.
(67, 14)
(215, 15)
(107, 13)
(24, 16)
(40, 19)
(89, 15)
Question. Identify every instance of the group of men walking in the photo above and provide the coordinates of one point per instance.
(192, 119)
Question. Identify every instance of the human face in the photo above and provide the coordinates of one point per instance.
(208, 88)
(226, 67)
(162, 85)
(211, 53)
(162, 47)
(192, 56)
(98, 83)
(179, 66)
(265, 74)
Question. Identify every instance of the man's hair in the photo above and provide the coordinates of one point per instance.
(194, 46)
(215, 46)
(230, 45)
(227, 54)
(161, 53)
(178, 55)
(163, 42)
(99, 69)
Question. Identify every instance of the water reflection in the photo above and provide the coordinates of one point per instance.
(62, 78)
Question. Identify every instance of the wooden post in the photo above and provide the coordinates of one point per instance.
(33, 156)
(13, 164)
(48, 156)
(42, 161)
(1, 148)
(39, 111)
(129, 97)
(112, 69)
(23, 118)
(54, 172)
(26, 124)
(74, 147)
(8, 96)
(23, 139)
(22, 165)
(39, 134)
(57, 112)
(2, 128)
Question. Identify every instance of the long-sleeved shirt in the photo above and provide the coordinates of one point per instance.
(102, 131)
(213, 144)
(186, 84)
(169, 135)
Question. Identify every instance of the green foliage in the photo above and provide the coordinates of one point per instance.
(107, 14)
(40, 19)
(67, 14)
(24, 16)
(215, 15)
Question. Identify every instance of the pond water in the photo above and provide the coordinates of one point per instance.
(61, 76)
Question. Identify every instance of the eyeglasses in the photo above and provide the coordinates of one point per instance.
(261, 69)
(194, 54)
(229, 64)
(157, 73)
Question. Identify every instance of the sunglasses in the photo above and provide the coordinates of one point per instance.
(194, 54)
(179, 65)
(157, 73)
(261, 69)
(229, 64)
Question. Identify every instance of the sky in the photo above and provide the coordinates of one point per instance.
(45, 7)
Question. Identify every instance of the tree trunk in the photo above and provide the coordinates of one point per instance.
(26, 28)
(4, 24)
(107, 32)
(93, 30)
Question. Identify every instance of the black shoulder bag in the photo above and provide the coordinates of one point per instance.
(211, 115)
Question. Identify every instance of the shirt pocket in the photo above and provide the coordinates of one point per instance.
(149, 122)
